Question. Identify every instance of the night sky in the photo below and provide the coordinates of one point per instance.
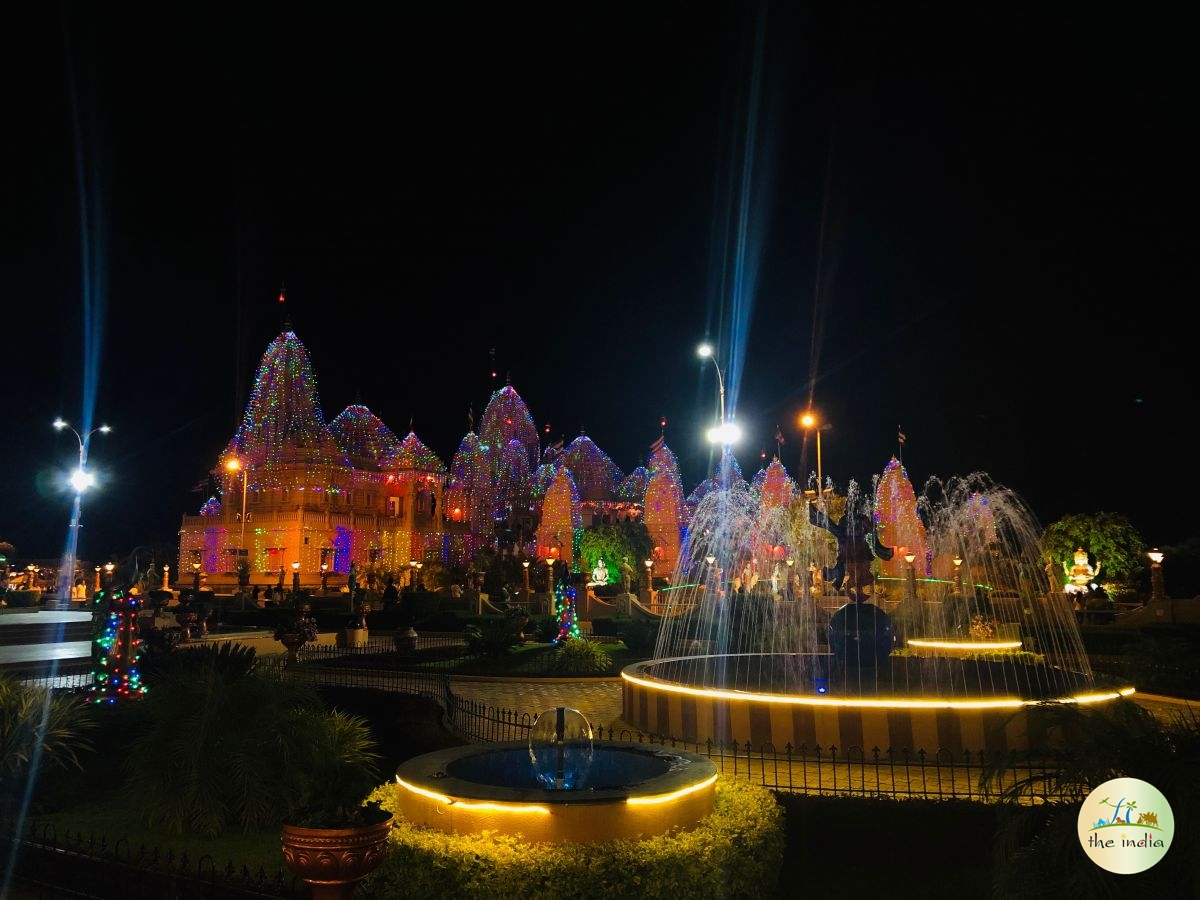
(974, 225)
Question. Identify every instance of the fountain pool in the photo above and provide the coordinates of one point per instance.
(558, 786)
(954, 642)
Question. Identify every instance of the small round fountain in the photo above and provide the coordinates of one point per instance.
(947, 635)
(560, 785)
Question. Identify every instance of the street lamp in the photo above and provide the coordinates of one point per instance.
(911, 575)
(420, 579)
(809, 421)
(296, 578)
(324, 578)
(958, 575)
(1156, 575)
(724, 433)
(235, 465)
(195, 580)
(97, 578)
(525, 566)
(412, 575)
(81, 480)
(650, 581)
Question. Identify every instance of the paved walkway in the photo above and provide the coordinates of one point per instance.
(599, 699)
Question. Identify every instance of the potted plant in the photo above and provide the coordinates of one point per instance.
(332, 836)
(298, 629)
(354, 633)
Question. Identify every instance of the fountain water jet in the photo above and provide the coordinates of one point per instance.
(739, 659)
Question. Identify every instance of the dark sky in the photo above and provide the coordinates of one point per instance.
(974, 224)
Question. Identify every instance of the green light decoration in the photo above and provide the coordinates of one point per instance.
(116, 649)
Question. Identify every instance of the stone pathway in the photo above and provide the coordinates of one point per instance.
(599, 699)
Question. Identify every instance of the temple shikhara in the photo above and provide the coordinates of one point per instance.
(348, 491)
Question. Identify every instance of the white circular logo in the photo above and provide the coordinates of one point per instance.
(1126, 825)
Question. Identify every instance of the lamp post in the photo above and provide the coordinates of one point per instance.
(195, 581)
(791, 568)
(412, 575)
(235, 465)
(97, 578)
(809, 421)
(324, 578)
(81, 480)
(724, 433)
(649, 581)
(420, 579)
(910, 575)
(958, 586)
(296, 578)
(525, 566)
(1156, 575)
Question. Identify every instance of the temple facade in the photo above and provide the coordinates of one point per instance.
(302, 499)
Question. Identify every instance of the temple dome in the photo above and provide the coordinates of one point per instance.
(365, 439)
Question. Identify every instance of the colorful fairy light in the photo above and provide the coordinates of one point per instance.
(596, 476)
(117, 650)
(564, 611)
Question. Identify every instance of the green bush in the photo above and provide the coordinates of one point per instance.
(40, 732)
(23, 598)
(492, 637)
(640, 637)
(579, 657)
(737, 851)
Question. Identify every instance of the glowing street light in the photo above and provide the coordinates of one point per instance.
(809, 421)
(724, 433)
(649, 580)
(81, 479)
(911, 574)
(958, 585)
(525, 566)
(234, 465)
(1156, 575)
(296, 578)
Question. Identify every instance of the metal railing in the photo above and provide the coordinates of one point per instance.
(74, 864)
(828, 770)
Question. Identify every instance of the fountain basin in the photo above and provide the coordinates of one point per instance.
(958, 648)
(632, 791)
(933, 704)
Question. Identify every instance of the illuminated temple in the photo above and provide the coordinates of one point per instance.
(329, 494)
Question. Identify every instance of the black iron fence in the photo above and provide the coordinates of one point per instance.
(829, 770)
(49, 865)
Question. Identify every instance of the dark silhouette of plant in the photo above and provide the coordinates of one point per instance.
(39, 732)
(1037, 846)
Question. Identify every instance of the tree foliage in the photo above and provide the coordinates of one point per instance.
(1109, 539)
(613, 542)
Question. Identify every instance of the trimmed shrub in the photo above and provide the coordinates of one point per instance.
(579, 657)
(735, 852)
(639, 637)
(23, 598)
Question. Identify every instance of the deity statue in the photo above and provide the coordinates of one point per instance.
(599, 574)
(626, 574)
(1081, 574)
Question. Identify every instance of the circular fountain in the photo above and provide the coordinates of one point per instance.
(558, 786)
(953, 641)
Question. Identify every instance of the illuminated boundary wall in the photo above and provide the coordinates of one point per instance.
(687, 714)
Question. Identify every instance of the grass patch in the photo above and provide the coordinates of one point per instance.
(114, 816)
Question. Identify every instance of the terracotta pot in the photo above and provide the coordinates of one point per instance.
(333, 860)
